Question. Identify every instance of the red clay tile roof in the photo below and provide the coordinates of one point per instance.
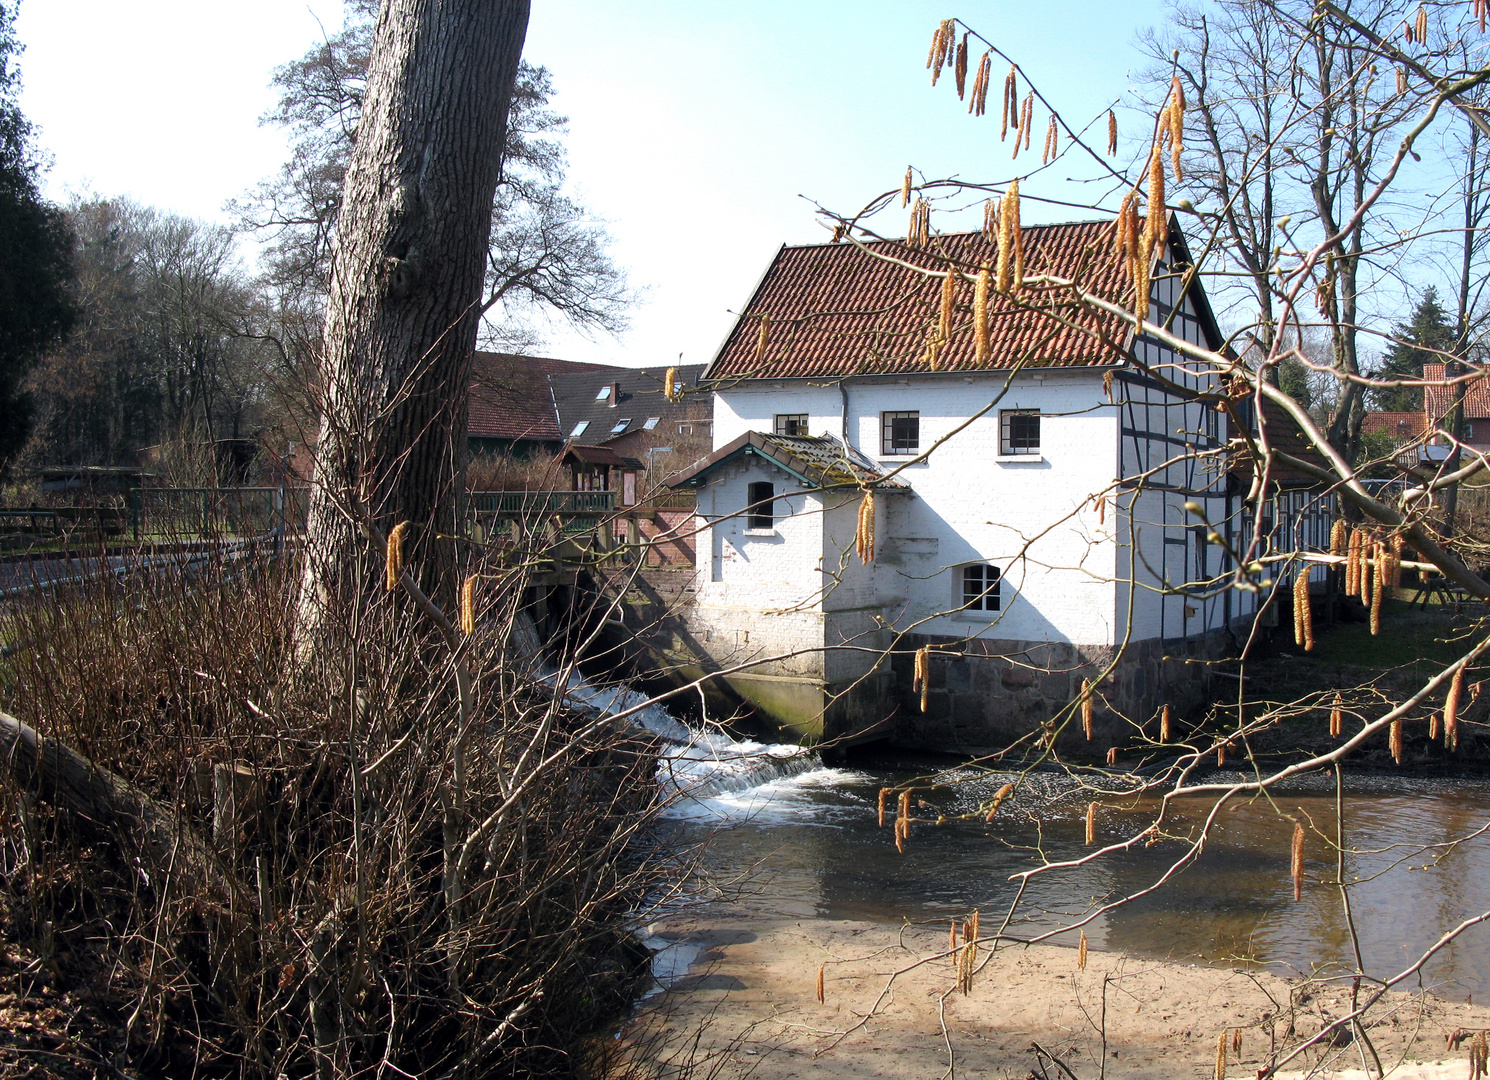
(1440, 399)
(835, 309)
(1402, 426)
(510, 398)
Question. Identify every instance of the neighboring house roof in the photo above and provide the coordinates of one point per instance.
(601, 455)
(1439, 399)
(510, 397)
(601, 400)
(1401, 426)
(818, 460)
(846, 309)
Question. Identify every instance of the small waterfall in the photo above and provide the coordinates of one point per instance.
(696, 764)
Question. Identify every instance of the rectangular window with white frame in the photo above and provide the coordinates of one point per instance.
(900, 433)
(980, 587)
(1019, 432)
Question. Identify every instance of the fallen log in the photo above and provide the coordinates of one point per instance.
(107, 807)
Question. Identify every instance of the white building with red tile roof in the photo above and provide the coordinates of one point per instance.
(1029, 511)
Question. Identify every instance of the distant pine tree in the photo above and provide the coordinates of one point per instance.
(1416, 340)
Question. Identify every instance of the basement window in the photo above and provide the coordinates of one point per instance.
(980, 587)
(762, 511)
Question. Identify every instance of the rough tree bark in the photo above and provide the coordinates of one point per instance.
(402, 312)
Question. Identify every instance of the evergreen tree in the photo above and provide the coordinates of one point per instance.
(36, 306)
(1424, 339)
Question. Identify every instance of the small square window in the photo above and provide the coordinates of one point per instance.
(980, 587)
(762, 511)
(900, 432)
(579, 429)
(1019, 432)
(621, 425)
(651, 423)
(791, 423)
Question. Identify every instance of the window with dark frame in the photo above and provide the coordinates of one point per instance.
(900, 432)
(762, 512)
(791, 423)
(1019, 432)
(980, 587)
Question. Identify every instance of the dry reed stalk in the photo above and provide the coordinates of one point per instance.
(1221, 1057)
(1379, 588)
(1394, 740)
(1086, 708)
(468, 605)
(883, 792)
(905, 189)
(864, 533)
(1296, 861)
(1111, 133)
(395, 554)
(1081, 952)
(1337, 717)
(820, 996)
(980, 314)
(1164, 724)
(998, 798)
(1091, 823)
(1451, 711)
(1176, 115)
(1433, 727)
(948, 305)
(1338, 537)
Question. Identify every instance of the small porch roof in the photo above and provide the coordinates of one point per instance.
(600, 455)
(815, 460)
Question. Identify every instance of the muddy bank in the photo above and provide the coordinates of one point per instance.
(890, 1008)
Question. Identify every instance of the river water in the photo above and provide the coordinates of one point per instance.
(798, 838)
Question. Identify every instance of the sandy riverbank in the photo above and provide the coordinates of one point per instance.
(752, 988)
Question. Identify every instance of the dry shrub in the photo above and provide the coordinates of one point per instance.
(384, 882)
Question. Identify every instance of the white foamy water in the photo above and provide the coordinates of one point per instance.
(714, 775)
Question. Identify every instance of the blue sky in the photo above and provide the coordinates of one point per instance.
(696, 128)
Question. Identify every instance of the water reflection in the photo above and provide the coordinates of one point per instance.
(814, 849)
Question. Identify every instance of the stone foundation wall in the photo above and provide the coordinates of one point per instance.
(997, 691)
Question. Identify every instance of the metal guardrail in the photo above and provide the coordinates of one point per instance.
(540, 503)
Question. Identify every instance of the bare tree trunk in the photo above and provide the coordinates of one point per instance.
(402, 313)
